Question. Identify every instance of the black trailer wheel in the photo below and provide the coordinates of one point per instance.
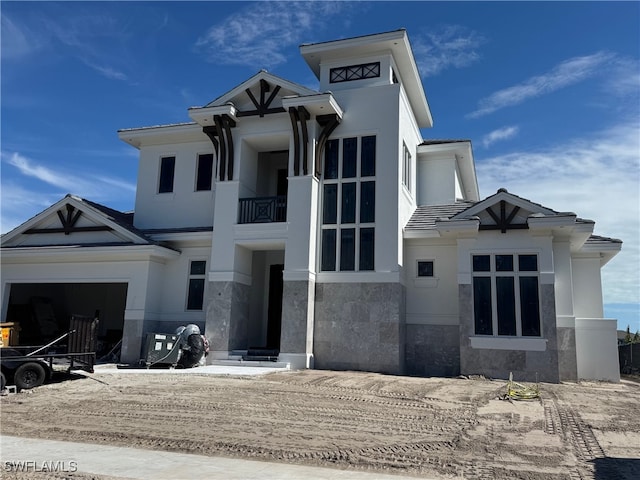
(3, 381)
(29, 375)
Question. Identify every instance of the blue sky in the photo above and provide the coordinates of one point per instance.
(549, 94)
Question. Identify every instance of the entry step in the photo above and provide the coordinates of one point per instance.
(239, 362)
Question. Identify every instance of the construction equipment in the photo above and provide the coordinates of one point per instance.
(183, 349)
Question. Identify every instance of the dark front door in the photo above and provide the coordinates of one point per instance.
(274, 312)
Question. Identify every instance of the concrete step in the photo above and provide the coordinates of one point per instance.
(239, 362)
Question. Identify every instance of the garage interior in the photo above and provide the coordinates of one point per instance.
(42, 311)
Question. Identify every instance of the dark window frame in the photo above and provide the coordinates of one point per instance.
(204, 172)
(196, 285)
(509, 288)
(348, 202)
(166, 175)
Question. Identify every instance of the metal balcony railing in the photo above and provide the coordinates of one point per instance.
(263, 209)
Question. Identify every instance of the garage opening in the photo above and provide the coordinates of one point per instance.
(41, 312)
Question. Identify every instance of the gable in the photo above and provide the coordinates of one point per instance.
(261, 94)
(73, 221)
(504, 211)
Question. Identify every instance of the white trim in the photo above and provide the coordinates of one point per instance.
(509, 343)
(565, 321)
(358, 277)
(229, 277)
(298, 275)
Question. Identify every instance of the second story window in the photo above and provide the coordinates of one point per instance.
(349, 204)
(406, 166)
(204, 172)
(167, 171)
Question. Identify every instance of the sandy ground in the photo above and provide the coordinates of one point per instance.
(443, 428)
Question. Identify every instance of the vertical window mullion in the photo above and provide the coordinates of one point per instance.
(516, 292)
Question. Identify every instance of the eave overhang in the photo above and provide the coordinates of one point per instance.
(317, 104)
(203, 116)
(162, 134)
(458, 227)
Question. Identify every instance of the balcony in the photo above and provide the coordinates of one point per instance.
(263, 209)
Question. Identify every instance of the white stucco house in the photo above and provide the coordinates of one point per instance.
(322, 226)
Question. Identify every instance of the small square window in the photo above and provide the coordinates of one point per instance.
(198, 267)
(425, 268)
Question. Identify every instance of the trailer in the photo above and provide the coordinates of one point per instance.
(30, 366)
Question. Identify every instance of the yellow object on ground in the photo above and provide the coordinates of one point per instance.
(517, 391)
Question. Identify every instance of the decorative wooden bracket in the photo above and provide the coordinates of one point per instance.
(328, 123)
(68, 222)
(263, 106)
(223, 144)
(300, 114)
(503, 222)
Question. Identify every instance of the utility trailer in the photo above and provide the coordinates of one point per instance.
(30, 366)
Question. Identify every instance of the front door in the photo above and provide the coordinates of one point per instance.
(274, 311)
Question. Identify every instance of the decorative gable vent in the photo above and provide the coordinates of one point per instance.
(354, 72)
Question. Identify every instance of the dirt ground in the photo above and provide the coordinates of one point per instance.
(440, 428)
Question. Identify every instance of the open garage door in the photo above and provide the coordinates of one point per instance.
(41, 311)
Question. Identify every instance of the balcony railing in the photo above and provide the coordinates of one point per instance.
(263, 209)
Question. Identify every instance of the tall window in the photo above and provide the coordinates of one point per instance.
(167, 170)
(406, 166)
(349, 204)
(204, 172)
(195, 292)
(505, 295)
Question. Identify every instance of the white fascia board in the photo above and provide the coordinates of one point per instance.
(471, 225)
(162, 134)
(555, 221)
(426, 233)
(606, 251)
(80, 253)
(318, 104)
(192, 239)
(204, 115)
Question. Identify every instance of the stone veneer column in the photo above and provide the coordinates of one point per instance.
(360, 326)
(296, 340)
(227, 317)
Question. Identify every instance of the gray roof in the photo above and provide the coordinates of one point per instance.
(425, 216)
(595, 239)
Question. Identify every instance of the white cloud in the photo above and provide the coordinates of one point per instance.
(95, 186)
(445, 47)
(597, 177)
(19, 204)
(105, 71)
(503, 133)
(569, 72)
(96, 39)
(259, 34)
(17, 41)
